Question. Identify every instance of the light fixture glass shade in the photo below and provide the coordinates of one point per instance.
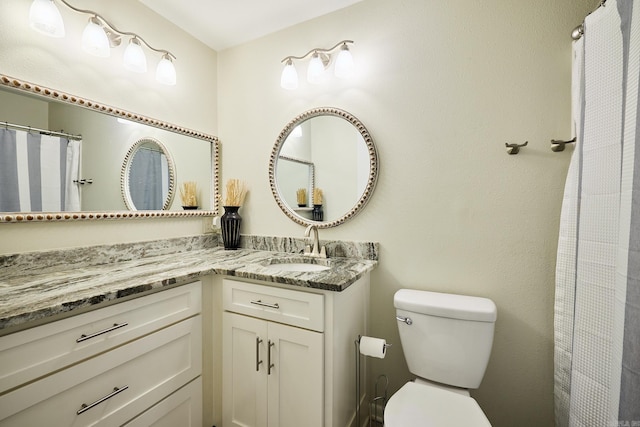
(134, 58)
(315, 70)
(289, 78)
(344, 63)
(166, 72)
(45, 18)
(95, 40)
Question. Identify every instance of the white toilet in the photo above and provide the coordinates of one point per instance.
(447, 342)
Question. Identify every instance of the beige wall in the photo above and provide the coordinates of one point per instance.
(441, 86)
(61, 64)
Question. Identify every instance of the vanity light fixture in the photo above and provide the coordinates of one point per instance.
(166, 72)
(289, 78)
(344, 63)
(320, 61)
(94, 40)
(134, 58)
(100, 36)
(45, 17)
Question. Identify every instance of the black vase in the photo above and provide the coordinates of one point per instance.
(230, 227)
(316, 213)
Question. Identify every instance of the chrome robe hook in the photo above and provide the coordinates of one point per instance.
(515, 148)
(558, 145)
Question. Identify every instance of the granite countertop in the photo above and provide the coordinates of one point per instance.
(36, 292)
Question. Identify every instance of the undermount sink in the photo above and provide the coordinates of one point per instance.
(295, 264)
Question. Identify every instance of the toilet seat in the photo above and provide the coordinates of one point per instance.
(420, 405)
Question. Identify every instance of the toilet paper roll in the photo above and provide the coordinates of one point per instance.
(374, 347)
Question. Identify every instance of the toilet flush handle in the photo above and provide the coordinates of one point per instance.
(406, 320)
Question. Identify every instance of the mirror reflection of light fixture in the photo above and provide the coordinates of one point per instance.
(45, 17)
(100, 36)
(297, 132)
(320, 61)
(125, 121)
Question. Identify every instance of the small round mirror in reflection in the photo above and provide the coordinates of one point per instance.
(148, 176)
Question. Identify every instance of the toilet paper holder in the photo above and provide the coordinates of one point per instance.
(373, 404)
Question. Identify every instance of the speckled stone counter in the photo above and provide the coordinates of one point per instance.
(39, 285)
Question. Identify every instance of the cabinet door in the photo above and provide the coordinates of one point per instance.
(244, 360)
(295, 384)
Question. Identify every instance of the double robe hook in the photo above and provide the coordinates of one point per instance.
(515, 148)
(556, 145)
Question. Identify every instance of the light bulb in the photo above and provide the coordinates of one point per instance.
(45, 18)
(315, 70)
(95, 40)
(166, 72)
(344, 63)
(134, 58)
(289, 78)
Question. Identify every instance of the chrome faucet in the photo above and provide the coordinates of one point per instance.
(314, 250)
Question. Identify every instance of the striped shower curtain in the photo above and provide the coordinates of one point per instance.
(149, 179)
(37, 172)
(597, 303)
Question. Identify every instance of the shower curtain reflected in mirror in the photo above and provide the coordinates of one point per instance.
(597, 306)
(37, 172)
(149, 179)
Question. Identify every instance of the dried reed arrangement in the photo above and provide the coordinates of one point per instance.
(189, 193)
(301, 195)
(236, 191)
(317, 196)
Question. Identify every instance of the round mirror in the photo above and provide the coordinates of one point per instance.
(323, 167)
(148, 176)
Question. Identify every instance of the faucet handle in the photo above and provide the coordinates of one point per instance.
(323, 252)
(307, 249)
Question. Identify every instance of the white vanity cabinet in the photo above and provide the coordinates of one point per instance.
(130, 362)
(288, 354)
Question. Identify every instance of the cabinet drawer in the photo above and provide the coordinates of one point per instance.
(146, 371)
(296, 308)
(30, 354)
(183, 408)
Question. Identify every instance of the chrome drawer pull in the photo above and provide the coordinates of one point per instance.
(406, 320)
(115, 391)
(258, 361)
(115, 326)
(265, 304)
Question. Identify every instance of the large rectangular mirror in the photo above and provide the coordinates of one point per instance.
(108, 136)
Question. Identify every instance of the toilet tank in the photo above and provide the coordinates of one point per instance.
(450, 336)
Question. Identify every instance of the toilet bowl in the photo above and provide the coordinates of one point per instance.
(447, 342)
(421, 405)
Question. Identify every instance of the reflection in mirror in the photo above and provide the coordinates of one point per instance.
(106, 140)
(330, 150)
(294, 175)
(148, 176)
(38, 172)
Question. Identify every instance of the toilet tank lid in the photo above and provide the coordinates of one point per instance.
(453, 306)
